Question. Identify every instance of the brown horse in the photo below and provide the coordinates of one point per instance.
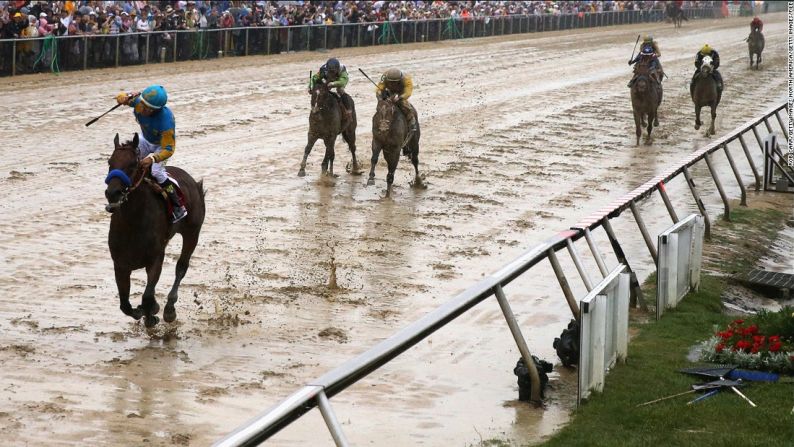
(326, 121)
(705, 93)
(755, 45)
(140, 229)
(390, 134)
(645, 98)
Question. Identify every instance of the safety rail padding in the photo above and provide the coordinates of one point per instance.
(603, 334)
(680, 258)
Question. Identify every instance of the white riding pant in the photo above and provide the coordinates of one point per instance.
(145, 148)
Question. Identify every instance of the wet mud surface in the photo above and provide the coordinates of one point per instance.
(521, 137)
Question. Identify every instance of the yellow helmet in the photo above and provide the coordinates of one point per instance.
(705, 50)
(647, 38)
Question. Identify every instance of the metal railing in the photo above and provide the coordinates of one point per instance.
(27, 55)
(318, 392)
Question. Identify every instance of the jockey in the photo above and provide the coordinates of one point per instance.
(157, 139)
(756, 24)
(715, 63)
(400, 86)
(650, 58)
(335, 75)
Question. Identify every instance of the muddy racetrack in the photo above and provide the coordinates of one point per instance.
(521, 136)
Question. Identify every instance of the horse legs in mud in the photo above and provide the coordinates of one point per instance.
(711, 130)
(349, 136)
(391, 160)
(306, 151)
(638, 126)
(123, 284)
(149, 304)
(373, 162)
(651, 119)
(415, 161)
(189, 242)
(328, 161)
(697, 117)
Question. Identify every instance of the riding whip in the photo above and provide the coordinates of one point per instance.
(100, 116)
(365, 75)
(635, 48)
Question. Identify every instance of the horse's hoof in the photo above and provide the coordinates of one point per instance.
(169, 314)
(370, 182)
(302, 173)
(151, 321)
(697, 126)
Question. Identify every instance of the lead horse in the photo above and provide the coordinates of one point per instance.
(140, 229)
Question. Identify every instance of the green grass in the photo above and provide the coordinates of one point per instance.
(659, 350)
(655, 355)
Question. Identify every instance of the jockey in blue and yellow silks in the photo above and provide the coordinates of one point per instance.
(157, 140)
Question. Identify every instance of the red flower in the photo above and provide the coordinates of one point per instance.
(775, 347)
(742, 345)
(738, 321)
(758, 339)
(774, 338)
(720, 347)
(755, 349)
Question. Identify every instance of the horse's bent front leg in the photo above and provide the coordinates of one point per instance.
(697, 117)
(123, 284)
(373, 162)
(306, 151)
(149, 302)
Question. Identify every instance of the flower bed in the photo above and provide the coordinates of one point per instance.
(766, 343)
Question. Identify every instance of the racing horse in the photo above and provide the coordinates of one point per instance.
(705, 93)
(676, 14)
(645, 98)
(326, 121)
(391, 134)
(140, 228)
(755, 45)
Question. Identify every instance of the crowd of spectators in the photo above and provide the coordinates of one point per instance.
(101, 33)
(41, 18)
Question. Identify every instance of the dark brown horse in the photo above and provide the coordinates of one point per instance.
(326, 121)
(676, 14)
(140, 229)
(705, 93)
(646, 95)
(390, 134)
(755, 45)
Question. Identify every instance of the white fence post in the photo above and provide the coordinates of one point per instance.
(603, 334)
(680, 256)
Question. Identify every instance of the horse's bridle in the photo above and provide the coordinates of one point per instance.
(129, 185)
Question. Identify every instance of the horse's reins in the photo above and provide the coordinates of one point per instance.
(140, 174)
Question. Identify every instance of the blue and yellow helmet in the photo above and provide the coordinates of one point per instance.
(154, 96)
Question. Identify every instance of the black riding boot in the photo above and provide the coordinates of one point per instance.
(179, 209)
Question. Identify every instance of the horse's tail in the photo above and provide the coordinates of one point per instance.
(202, 190)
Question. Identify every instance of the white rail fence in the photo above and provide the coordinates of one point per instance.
(680, 257)
(603, 334)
